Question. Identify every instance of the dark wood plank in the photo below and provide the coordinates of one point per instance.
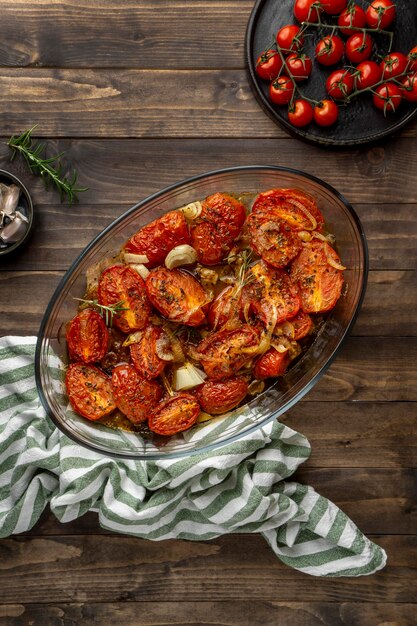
(114, 34)
(136, 103)
(231, 613)
(119, 569)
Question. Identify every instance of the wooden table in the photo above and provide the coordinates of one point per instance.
(142, 93)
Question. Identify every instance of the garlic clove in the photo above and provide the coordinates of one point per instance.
(187, 377)
(141, 269)
(129, 257)
(9, 198)
(180, 255)
(14, 231)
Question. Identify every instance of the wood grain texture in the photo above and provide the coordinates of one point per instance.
(236, 567)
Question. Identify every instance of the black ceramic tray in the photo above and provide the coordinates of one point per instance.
(358, 123)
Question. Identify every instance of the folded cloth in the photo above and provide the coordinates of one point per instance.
(241, 487)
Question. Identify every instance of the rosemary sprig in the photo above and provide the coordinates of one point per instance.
(49, 169)
(107, 312)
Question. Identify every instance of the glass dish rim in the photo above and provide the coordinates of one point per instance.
(274, 414)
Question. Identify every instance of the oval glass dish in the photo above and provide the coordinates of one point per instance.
(51, 353)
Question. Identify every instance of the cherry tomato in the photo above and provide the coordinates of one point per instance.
(281, 90)
(134, 396)
(298, 209)
(329, 50)
(89, 391)
(121, 284)
(295, 328)
(268, 65)
(369, 73)
(174, 415)
(393, 64)
(219, 396)
(333, 7)
(307, 10)
(177, 295)
(159, 237)
(359, 47)
(340, 84)
(288, 38)
(387, 97)
(145, 353)
(410, 88)
(271, 364)
(300, 114)
(216, 228)
(319, 282)
(270, 295)
(326, 113)
(299, 66)
(352, 17)
(412, 60)
(226, 306)
(225, 352)
(273, 240)
(380, 14)
(87, 337)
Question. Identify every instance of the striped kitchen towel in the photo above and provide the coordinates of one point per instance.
(242, 487)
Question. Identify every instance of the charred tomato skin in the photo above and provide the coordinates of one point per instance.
(271, 364)
(89, 391)
(120, 283)
(219, 396)
(135, 397)
(174, 415)
(144, 354)
(221, 352)
(87, 337)
(226, 306)
(301, 326)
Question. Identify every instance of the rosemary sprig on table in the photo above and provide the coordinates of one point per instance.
(49, 169)
(107, 312)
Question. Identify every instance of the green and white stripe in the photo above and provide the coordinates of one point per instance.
(242, 487)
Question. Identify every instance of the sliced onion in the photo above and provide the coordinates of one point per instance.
(180, 255)
(228, 280)
(286, 328)
(281, 345)
(329, 238)
(256, 387)
(163, 348)
(133, 338)
(333, 263)
(129, 257)
(306, 213)
(187, 377)
(141, 269)
(175, 344)
(304, 235)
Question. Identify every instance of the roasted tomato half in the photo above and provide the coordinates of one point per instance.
(271, 364)
(296, 208)
(217, 226)
(177, 295)
(146, 353)
(89, 391)
(87, 337)
(318, 274)
(272, 238)
(224, 353)
(269, 295)
(295, 328)
(226, 306)
(134, 396)
(219, 396)
(119, 283)
(159, 237)
(174, 415)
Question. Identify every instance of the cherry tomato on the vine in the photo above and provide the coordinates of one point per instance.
(412, 60)
(340, 84)
(289, 39)
(300, 114)
(393, 64)
(368, 73)
(326, 113)
(359, 47)
(281, 90)
(380, 14)
(299, 66)
(351, 18)
(307, 10)
(333, 7)
(268, 65)
(329, 50)
(410, 88)
(387, 97)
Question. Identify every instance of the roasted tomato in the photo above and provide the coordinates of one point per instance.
(219, 396)
(217, 226)
(174, 415)
(295, 328)
(318, 274)
(271, 364)
(89, 391)
(226, 306)
(298, 209)
(273, 239)
(146, 353)
(269, 295)
(224, 353)
(87, 337)
(134, 396)
(159, 237)
(177, 295)
(119, 283)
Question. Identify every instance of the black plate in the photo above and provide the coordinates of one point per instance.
(360, 122)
